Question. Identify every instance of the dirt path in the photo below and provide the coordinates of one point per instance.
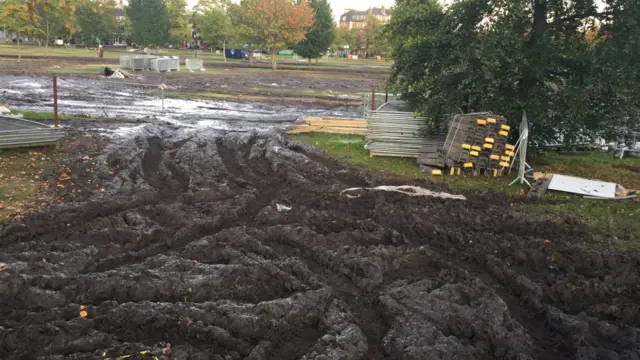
(190, 245)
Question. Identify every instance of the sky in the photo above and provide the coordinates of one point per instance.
(338, 6)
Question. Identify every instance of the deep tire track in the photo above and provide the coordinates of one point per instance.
(188, 247)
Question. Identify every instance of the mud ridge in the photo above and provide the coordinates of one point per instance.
(239, 246)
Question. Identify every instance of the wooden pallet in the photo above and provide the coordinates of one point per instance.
(331, 125)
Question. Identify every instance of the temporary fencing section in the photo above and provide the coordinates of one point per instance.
(393, 130)
(111, 98)
(15, 132)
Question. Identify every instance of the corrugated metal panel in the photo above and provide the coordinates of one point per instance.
(21, 133)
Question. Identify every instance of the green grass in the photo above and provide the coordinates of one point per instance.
(611, 218)
(46, 115)
(115, 53)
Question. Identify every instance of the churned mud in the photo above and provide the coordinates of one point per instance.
(240, 246)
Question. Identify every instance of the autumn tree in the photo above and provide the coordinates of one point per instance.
(274, 24)
(18, 17)
(150, 22)
(515, 56)
(56, 19)
(321, 35)
(179, 19)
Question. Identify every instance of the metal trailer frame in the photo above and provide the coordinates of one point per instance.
(17, 132)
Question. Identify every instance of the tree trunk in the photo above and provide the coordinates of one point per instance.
(224, 50)
(47, 34)
(18, 42)
(309, 60)
(273, 60)
(536, 36)
(250, 57)
(316, 61)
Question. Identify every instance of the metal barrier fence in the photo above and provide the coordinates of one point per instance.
(114, 98)
(22, 133)
(378, 100)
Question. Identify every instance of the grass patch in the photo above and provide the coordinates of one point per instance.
(615, 218)
(47, 115)
(115, 53)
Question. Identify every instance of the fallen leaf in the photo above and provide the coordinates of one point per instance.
(3, 267)
(44, 260)
(82, 307)
(83, 314)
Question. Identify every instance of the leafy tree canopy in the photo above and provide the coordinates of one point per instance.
(215, 27)
(179, 18)
(273, 24)
(321, 35)
(507, 56)
(95, 21)
(150, 22)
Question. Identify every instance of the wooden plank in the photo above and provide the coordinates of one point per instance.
(326, 129)
(338, 123)
(372, 154)
(301, 130)
(349, 131)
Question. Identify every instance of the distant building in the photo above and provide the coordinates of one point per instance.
(357, 19)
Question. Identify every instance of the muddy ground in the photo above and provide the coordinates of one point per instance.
(325, 88)
(241, 246)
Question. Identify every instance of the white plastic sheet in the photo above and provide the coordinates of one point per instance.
(581, 186)
(405, 189)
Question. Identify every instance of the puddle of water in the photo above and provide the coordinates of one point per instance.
(107, 99)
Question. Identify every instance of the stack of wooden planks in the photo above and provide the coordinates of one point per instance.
(331, 125)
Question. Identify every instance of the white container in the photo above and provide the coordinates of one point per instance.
(139, 63)
(174, 63)
(193, 64)
(125, 62)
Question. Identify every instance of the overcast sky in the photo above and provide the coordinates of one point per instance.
(338, 6)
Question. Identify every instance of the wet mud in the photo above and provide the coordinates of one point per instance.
(188, 246)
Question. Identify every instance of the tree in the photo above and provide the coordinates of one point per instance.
(179, 19)
(95, 21)
(321, 35)
(371, 34)
(274, 24)
(150, 22)
(215, 27)
(344, 38)
(56, 19)
(19, 17)
(514, 56)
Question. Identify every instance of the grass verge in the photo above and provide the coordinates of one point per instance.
(47, 115)
(617, 219)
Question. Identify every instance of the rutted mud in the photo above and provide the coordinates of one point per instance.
(187, 247)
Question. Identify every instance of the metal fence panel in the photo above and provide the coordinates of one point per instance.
(16, 132)
(397, 133)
